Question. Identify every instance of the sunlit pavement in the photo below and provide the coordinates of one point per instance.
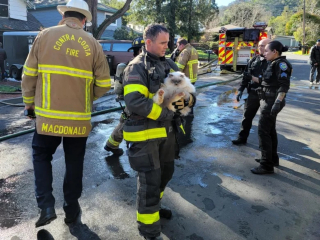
(213, 194)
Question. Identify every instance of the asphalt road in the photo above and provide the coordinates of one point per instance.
(213, 194)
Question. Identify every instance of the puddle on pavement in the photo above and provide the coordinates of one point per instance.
(116, 168)
(10, 213)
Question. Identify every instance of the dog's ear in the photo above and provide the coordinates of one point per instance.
(182, 75)
(170, 75)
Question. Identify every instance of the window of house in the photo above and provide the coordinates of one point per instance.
(107, 16)
(4, 9)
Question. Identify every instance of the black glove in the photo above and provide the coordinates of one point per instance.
(276, 108)
(247, 76)
(239, 96)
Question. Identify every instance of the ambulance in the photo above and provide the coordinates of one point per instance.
(238, 45)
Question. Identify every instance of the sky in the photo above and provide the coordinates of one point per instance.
(223, 2)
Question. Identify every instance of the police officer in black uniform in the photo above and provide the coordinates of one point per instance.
(275, 83)
(256, 66)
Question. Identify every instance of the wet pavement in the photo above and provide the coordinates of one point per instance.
(213, 194)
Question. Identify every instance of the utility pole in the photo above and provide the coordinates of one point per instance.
(303, 27)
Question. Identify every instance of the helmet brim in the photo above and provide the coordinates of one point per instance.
(63, 8)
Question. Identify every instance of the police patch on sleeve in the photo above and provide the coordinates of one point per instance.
(283, 66)
(283, 75)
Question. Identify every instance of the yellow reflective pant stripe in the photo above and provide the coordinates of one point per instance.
(46, 91)
(182, 129)
(155, 112)
(103, 83)
(28, 99)
(161, 194)
(113, 142)
(56, 69)
(145, 135)
(136, 88)
(62, 114)
(148, 218)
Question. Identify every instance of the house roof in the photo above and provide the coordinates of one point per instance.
(53, 3)
(9, 24)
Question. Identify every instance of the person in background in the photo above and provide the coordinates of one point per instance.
(116, 137)
(315, 62)
(275, 83)
(65, 71)
(187, 61)
(256, 66)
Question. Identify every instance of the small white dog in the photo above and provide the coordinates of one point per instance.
(175, 87)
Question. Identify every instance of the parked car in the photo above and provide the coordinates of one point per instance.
(116, 52)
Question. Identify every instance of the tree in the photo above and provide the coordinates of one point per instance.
(279, 23)
(98, 31)
(245, 14)
(111, 19)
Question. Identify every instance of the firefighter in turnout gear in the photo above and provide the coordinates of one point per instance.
(149, 130)
(187, 60)
(275, 83)
(65, 71)
(256, 66)
(116, 136)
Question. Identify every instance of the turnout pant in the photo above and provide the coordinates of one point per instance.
(154, 161)
(268, 140)
(116, 136)
(251, 107)
(44, 147)
(312, 72)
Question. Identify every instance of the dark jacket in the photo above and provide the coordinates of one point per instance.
(277, 75)
(142, 79)
(256, 66)
(315, 55)
(3, 54)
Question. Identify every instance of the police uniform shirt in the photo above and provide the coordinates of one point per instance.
(278, 74)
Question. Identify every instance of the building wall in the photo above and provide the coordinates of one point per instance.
(42, 16)
(18, 10)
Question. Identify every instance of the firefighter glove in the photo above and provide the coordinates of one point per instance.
(239, 96)
(192, 100)
(179, 105)
(276, 108)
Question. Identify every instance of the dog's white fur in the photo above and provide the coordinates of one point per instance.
(175, 87)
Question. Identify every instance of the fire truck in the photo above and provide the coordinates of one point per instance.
(238, 45)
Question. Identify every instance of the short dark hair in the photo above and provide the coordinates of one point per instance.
(74, 14)
(276, 45)
(318, 40)
(152, 31)
(182, 41)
